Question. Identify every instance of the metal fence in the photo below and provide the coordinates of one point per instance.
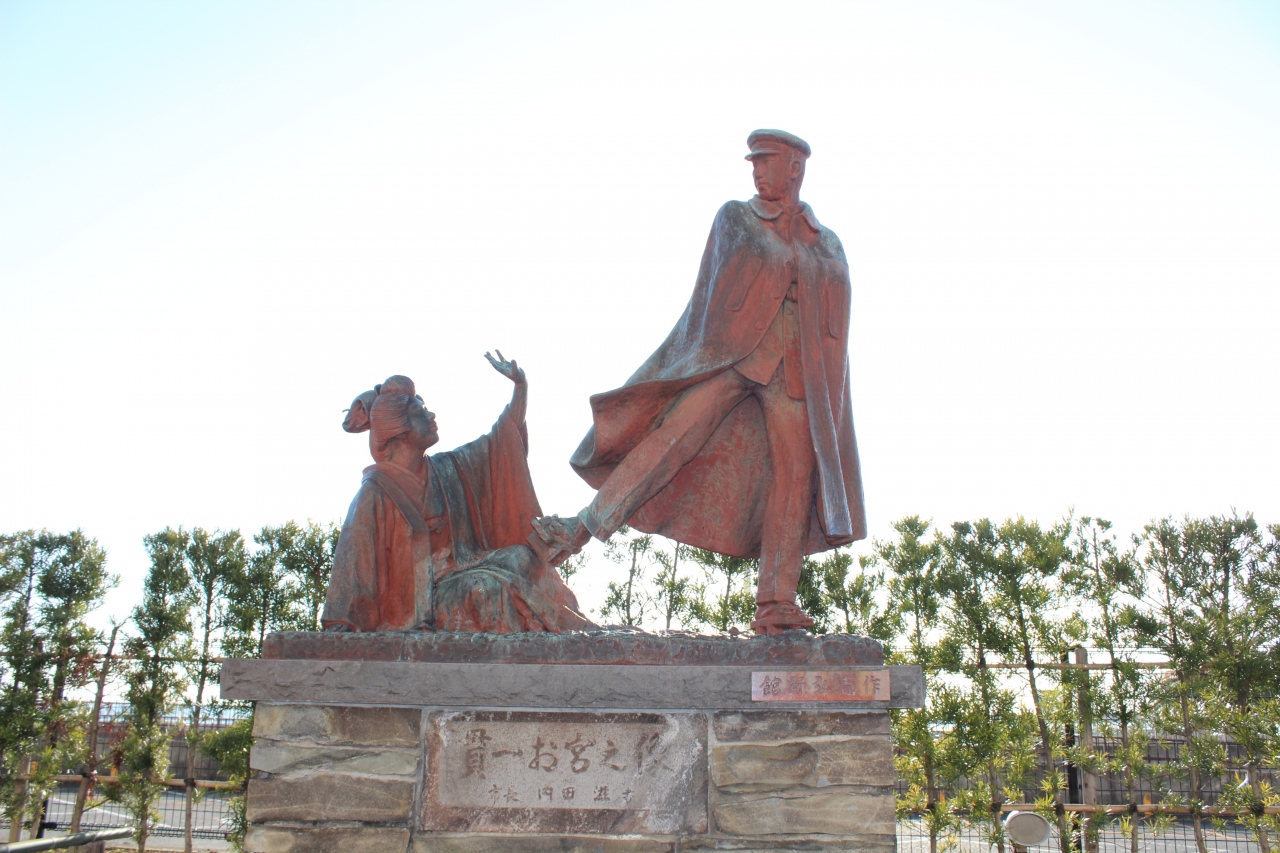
(211, 817)
(113, 728)
(1162, 781)
(210, 813)
(914, 838)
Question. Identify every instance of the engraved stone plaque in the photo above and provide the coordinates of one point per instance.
(566, 772)
(820, 686)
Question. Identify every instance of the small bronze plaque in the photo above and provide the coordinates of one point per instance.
(821, 686)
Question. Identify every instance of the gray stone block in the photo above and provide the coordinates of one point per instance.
(598, 647)
(840, 811)
(272, 756)
(339, 724)
(354, 839)
(318, 797)
(524, 685)
(818, 764)
(771, 725)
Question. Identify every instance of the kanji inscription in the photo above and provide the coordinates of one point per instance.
(510, 769)
(821, 686)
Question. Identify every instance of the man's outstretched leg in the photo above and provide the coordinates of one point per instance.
(788, 507)
(660, 455)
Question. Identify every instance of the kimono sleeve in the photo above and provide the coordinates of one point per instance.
(495, 473)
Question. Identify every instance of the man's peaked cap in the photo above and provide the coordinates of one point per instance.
(769, 141)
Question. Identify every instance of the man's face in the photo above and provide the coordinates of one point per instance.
(422, 425)
(773, 174)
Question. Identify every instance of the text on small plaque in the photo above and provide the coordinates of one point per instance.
(820, 686)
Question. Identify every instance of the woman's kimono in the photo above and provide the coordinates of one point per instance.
(449, 553)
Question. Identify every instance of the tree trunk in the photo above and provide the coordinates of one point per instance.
(1255, 788)
(1135, 819)
(193, 730)
(1197, 819)
(631, 580)
(91, 765)
(20, 797)
(930, 794)
(1059, 807)
(997, 800)
(671, 585)
(189, 780)
(1088, 778)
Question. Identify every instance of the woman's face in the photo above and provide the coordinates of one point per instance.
(422, 425)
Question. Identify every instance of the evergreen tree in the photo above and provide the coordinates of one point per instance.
(306, 555)
(230, 748)
(26, 678)
(1024, 575)
(986, 737)
(736, 576)
(162, 639)
(49, 583)
(1242, 608)
(73, 582)
(1176, 565)
(842, 603)
(1111, 582)
(263, 594)
(214, 559)
(915, 606)
(628, 601)
(674, 593)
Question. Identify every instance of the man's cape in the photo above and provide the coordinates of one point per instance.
(717, 500)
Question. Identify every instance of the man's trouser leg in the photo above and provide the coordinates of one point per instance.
(661, 454)
(788, 507)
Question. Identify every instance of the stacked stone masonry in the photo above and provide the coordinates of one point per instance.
(363, 779)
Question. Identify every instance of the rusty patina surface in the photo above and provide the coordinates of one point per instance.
(450, 541)
(737, 435)
(796, 648)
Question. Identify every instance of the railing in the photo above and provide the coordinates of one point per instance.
(77, 840)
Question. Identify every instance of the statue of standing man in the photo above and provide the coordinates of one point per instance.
(737, 434)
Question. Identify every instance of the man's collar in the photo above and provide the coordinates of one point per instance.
(771, 210)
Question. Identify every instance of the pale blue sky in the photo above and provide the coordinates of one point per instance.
(219, 222)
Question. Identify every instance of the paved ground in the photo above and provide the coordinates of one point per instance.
(160, 843)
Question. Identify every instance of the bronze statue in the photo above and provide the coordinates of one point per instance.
(447, 541)
(737, 434)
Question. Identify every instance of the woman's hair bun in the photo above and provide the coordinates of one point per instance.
(397, 385)
(357, 419)
(359, 416)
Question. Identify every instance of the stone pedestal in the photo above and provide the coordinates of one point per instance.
(443, 743)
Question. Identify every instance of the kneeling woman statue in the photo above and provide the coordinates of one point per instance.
(446, 542)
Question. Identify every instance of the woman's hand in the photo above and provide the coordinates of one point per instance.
(509, 369)
(563, 537)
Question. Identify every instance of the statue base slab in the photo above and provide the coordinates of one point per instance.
(426, 753)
